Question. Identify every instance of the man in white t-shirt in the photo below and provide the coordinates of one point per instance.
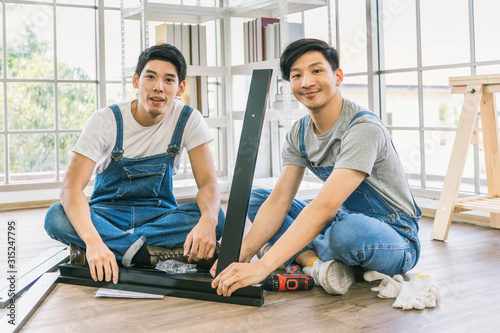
(135, 148)
(363, 216)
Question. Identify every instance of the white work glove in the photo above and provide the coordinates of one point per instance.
(420, 292)
(389, 287)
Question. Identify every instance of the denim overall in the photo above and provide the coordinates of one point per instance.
(366, 231)
(133, 201)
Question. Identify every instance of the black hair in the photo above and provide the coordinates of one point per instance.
(164, 52)
(296, 49)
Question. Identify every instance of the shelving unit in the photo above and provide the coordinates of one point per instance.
(145, 11)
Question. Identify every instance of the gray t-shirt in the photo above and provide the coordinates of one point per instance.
(366, 146)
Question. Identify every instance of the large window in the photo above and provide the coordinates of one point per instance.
(414, 46)
(397, 56)
(48, 85)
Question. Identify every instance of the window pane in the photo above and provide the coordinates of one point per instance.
(215, 148)
(352, 36)
(1, 108)
(113, 93)
(445, 38)
(113, 46)
(214, 96)
(32, 157)
(441, 108)
(483, 70)
(2, 159)
(438, 146)
(30, 46)
(485, 27)
(30, 106)
(112, 3)
(401, 98)
(2, 42)
(316, 23)
(66, 143)
(407, 145)
(400, 34)
(132, 43)
(355, 88)
(76, 52)
(78, 2)
(76, 104)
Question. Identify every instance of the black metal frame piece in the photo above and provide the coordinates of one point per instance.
(244, 169)
(193, 286)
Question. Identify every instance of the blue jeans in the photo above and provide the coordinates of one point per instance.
(371, 241)
(125, 228)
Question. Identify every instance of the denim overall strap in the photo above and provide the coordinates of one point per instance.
(175, 144)
(303, 126)
(359, 114)
(117, 152)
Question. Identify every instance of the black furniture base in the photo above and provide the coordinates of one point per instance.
(192, 285)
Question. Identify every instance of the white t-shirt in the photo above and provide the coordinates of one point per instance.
(99, 135)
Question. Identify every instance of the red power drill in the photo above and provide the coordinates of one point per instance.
(294, 280)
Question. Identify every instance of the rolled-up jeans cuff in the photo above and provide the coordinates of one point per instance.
(290, 261)
(132, 250)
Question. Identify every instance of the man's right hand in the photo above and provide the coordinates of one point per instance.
(102, 263)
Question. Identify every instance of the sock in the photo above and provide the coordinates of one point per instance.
(311, 261)
(420, 292)
(389, 287)
(142, 257)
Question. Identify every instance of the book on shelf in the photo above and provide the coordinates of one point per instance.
(262, 38)
(178, 36)
(165, 33)
(190, 39)
(196, 93)
(260, 24)
(195, 45)
(202, 97)
(186, 42)
(250, 42)
(245, 43)
(269, 47)
(202, 39)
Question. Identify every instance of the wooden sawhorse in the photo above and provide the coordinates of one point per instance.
(478, 92)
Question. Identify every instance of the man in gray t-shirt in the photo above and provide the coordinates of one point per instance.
(364, 215)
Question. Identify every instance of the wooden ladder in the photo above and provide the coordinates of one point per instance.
(478, 90)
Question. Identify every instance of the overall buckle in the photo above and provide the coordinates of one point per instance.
(173, 150)
(116, 154)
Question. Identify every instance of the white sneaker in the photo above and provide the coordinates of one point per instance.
(263, 251)
(333, 275)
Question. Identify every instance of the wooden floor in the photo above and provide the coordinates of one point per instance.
(466, 268)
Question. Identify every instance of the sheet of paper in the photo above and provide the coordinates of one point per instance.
(106, 292)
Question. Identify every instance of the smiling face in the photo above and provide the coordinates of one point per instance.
(314, 83)
(158, 86)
